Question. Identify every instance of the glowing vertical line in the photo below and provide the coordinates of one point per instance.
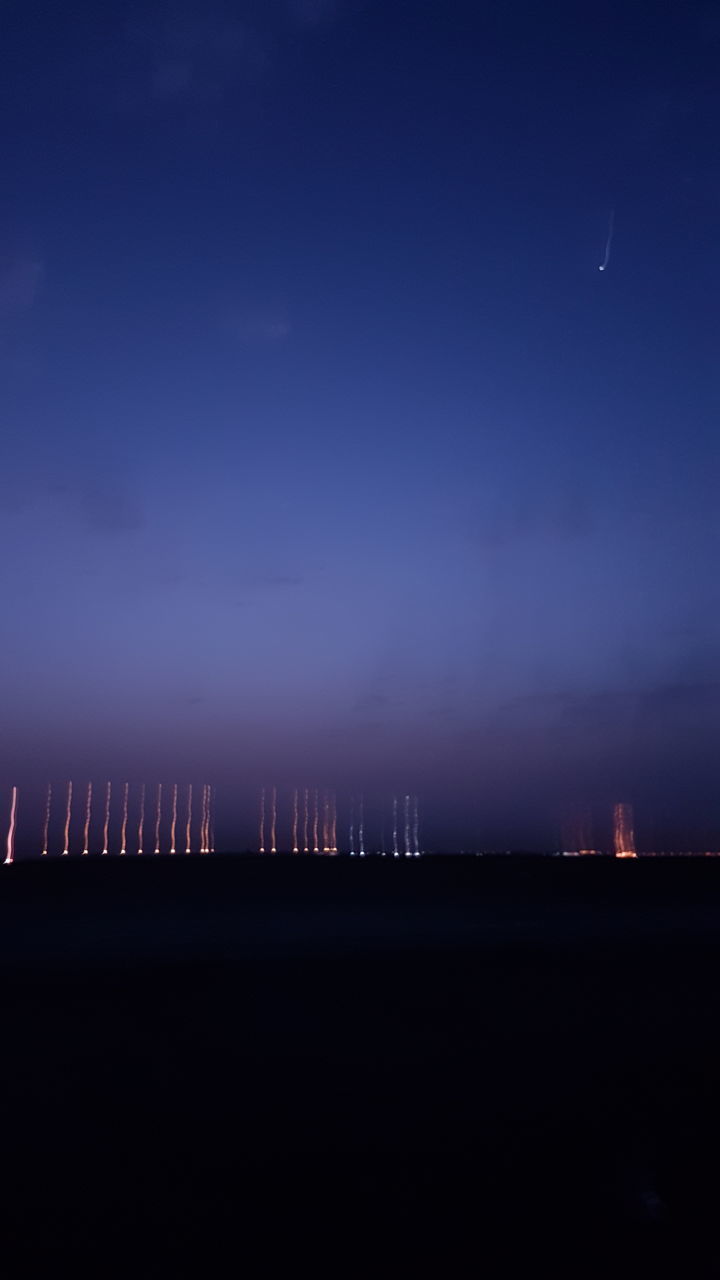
(123, 830)
(305, 822)
(396, 851)
(416, 827)
(66, 845)
(158, 814)
(315, 824)
(86, 828)
(46, 825)
(203, 815)
(352, 826)
(295, 823)
(326, 823)
(106, 824)
(361, 833)
(211, 817)
(333, 822)
(189, 818)
(173, 824)
(141, 823)
(262, 820)
(10, 855)
(273, 822)
(407, 827)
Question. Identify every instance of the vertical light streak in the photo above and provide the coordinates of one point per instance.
(123, 829)
(352, 826)
(273, 822)
(10, 854)
(203, 819)
(361, 823)
(158, 814)
(326, 823)
(46, 824)
(396, 851)
(141, 823)
(262, 820)
(86, 828)
(66, 838)
(106, 824)
(315, 824)
(211, 817)
(173, 824)
(407, 826)
(189, 818)
(333, 822)
(624, 833)
(305, 822)
(295, 823)
(416, 827)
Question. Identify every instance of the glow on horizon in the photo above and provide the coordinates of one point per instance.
(624, 834)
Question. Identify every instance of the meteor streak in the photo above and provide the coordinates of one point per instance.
(107, 817)
(608, 242)
(10, 855)
(66, 845)
(158, 811)
(46, 825)
(123, 832)
(86, 829)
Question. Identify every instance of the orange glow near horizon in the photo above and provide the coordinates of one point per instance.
(624, 835)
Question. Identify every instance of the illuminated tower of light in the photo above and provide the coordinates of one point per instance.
(361, 827)
(66, 839)
(262, 820)
(315, 824)
(273, 821)
(623, 831)
(352, 826)
(141, 823)
(396, 851)
(416, 828)
(295, 822)
(158, 812)
(123, 829)
(10, 852)
(333, 822)
(188, 825)
(173, 823)
(86, 828)
(46, 824)
(106, 824)
(408, 850)
(203, 820)
(326, 822)
(305, 822)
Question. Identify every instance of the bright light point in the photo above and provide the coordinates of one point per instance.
(601, 267)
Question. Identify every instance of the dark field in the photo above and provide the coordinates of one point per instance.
(455, 1063)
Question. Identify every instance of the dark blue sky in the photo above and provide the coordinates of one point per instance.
(328, 454)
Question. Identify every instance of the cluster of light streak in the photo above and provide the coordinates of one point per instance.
(98, 836)
(313, 824)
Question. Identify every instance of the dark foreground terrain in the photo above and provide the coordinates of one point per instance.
(451, 1064)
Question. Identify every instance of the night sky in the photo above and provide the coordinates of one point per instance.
(329, 456)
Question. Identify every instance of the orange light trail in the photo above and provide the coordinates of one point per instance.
(123, 832)
(46, 826)
(158, 811)
(315, 824)
(86, 828)
(295, 823)
(623, 831)
(189, 818)
(174, 818)
(262, 820)
(106, 824)
(305, 821)
(141, 823)
(10, 854)
(66, 844)
(273, 822)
